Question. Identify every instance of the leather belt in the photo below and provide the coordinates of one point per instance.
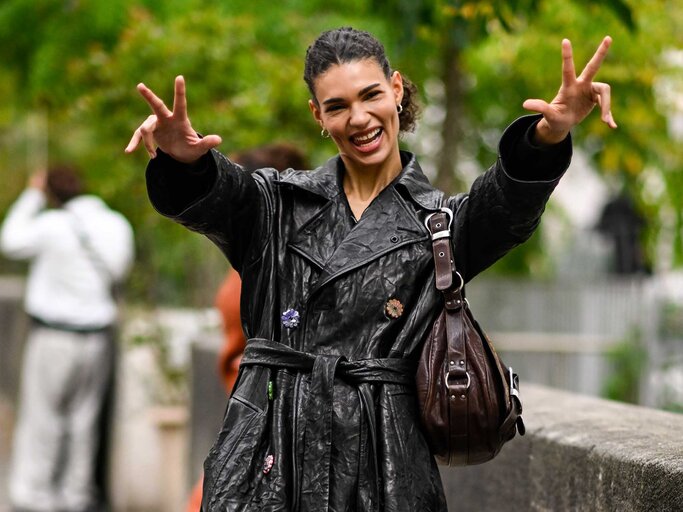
(318, 409)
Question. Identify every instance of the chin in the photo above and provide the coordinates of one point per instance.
(374, 159)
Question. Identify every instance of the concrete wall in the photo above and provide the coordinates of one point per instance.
(207, 406)
(579, 454)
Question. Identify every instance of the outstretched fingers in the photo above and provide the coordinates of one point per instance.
(603, 97)
(180, 98)
(594, 64)
(144, 134)
(156, 104)
(568, 69)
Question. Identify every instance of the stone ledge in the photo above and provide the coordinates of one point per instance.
(580, 454)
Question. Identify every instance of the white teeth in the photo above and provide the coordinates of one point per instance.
(363, 139)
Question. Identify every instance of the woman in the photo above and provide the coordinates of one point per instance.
(338, 277)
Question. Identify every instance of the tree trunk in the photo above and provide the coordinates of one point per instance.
(447, 178)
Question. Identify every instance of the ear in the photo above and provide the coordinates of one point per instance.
(397, 86)
(315, 110)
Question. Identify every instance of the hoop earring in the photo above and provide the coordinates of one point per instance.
(399, 109)
(324, 133)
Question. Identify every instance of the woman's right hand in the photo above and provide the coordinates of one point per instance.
(171, 131)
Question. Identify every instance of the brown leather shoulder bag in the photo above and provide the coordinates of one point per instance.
(469, 400)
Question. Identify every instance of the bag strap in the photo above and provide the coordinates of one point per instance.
(458, 381)
(95, 258)
(451, 284)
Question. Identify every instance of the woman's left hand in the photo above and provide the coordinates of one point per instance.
(575, 99)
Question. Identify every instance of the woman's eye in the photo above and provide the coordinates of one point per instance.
(333, 108)
(372, 94)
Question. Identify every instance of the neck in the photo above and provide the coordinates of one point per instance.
(361, 186)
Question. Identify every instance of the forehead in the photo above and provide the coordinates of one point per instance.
(347, 79)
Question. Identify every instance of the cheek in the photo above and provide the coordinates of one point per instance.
(336, 128)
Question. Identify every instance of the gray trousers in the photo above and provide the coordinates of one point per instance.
(64, 377)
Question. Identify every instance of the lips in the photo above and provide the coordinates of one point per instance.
(367, 139)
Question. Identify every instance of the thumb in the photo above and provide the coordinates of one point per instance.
(536, 105)
(209, 142)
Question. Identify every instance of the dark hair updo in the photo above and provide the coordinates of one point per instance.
(346, 44)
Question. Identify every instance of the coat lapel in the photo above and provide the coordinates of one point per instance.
(320, 233)
(386, 225)
(330, 241)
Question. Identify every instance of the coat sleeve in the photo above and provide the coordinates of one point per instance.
(23, 231)
(504, 205)
(217, 198)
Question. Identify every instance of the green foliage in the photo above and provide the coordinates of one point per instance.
(75, 64)
(508, 67)
(243, 63)
(628, 360)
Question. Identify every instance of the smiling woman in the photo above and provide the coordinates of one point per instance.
(338, 290)
(358, 106)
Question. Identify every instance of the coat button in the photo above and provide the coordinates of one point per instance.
(290, 319)
(393, 308)
(394, 238)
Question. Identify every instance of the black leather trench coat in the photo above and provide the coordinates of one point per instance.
(323, 415)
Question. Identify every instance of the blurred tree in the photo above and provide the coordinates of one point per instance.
(488, 56)
(449, 28)
(76, 65)
(640, 156)
(243, 65)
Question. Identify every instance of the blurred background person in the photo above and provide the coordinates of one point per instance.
(78, 250)
(280, 156)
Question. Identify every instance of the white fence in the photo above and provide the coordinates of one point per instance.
(557, 332)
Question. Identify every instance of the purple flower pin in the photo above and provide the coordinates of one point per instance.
(290, 319)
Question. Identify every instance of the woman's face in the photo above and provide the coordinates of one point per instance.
(357, 105)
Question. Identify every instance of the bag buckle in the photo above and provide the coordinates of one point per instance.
(444, 233)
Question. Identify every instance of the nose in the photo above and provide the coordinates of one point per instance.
(359, 116)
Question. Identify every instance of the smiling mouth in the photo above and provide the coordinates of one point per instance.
(367, 138)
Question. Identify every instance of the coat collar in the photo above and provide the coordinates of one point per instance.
(388, 223)
(325, 181)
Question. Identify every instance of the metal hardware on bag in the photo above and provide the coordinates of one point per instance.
(513, 388)
(469, 380)
(462, 283)
(458, 302)
(441, 234)
(450, 304)
(445, 210)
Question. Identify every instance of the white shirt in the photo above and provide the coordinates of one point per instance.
(64, 285)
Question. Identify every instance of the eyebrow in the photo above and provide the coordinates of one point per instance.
(361, 93)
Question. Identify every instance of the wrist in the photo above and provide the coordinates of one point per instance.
(544, 136)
